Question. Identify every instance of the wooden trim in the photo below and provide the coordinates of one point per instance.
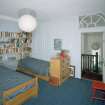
(22, 97)
(29, 72)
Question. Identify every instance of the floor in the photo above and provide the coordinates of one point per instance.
(92, 76)
(71, 92)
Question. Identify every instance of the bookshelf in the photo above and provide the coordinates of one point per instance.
(15, 44)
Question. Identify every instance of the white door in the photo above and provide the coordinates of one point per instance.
(104, 57)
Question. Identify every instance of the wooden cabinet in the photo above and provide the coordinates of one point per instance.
(59, 70)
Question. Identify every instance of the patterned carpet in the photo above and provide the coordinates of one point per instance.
(71, 92)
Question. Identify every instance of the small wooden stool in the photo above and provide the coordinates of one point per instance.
(98, 86)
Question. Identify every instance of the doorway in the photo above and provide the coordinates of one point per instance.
(92, 55)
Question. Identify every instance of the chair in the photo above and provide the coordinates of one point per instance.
(98, 87)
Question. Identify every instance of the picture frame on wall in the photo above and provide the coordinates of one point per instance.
(72, 70)
(57, 44)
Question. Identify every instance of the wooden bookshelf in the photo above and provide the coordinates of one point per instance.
(16, 43)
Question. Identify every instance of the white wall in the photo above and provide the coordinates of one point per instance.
(8, 26)
(67, 30)
(43, 45)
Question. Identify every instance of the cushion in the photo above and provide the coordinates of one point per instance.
(38, 66)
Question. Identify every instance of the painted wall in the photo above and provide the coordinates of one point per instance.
(10, 26)
(42, 43)
(67, 30)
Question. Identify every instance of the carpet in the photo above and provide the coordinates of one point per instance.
(71, 92)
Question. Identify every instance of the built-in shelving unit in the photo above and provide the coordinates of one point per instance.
(15, 44)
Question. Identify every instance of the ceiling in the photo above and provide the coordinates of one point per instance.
(52, 9)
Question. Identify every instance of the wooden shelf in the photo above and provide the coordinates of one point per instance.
(19, 43)
(59, 71)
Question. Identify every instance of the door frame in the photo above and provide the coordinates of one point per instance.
(97, 29)
(104, 57)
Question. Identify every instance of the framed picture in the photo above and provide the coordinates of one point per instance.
(72, 70)
(57, 44)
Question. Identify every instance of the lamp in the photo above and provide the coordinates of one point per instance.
(27, 21)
